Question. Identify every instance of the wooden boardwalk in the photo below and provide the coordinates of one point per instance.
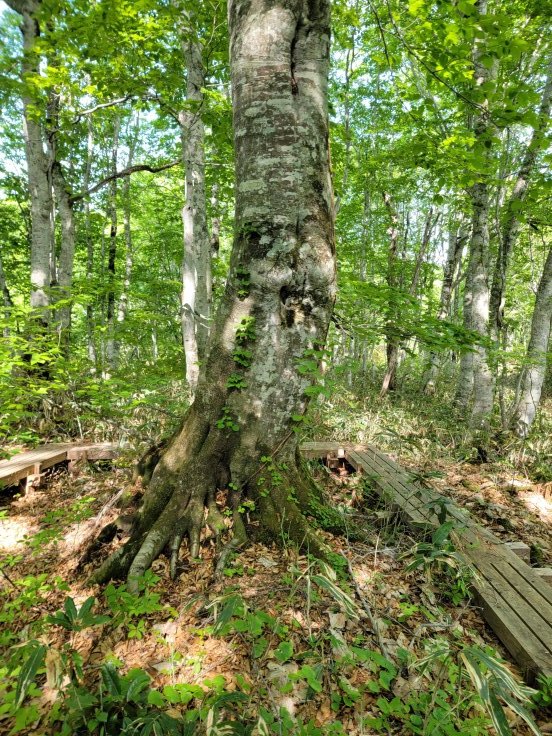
(34, 462)
(515, 601)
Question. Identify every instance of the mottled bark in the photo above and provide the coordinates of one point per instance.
(534, 371)
(67, 250)
(277, 303)
(38, 168)
(457, 239)
(478, 277)
(196, 264)
(475, 374)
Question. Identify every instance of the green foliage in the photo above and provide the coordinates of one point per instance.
(227, 421)
(131, 611)
(243, 282)
(440, 556)
(74, 619)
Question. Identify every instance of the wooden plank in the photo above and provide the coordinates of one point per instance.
(12, 474)
(99, 451)
(515, 603)
(51, 460)
(415, 514)
(505, 614)
(33, 462)
(312, 450)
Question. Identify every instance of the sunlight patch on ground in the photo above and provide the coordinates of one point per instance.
(539, 505)
(13, 529)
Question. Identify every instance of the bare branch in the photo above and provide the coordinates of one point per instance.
(120, 174)
(101, 106)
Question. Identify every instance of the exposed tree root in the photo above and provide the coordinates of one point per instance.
(180, 504)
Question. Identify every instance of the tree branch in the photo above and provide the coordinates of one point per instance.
(101, 106)
(120, 174)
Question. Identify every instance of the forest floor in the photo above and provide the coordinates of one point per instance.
(377, 648)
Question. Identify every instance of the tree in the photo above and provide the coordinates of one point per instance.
(196, 262)
(274, 314)
(534, 372)
(475, 372)
(38, 165)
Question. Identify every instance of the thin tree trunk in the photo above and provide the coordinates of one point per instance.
(534, 372)
(478, 278)
(430, 223)
(512, 222)
(6, 297)
(67, 250)
(196, 265)
(392, 341)
(277, 304)
(122, 306)
(457, 240)
(91, 342)
(215, 222)
(112, 250)
(349, 60)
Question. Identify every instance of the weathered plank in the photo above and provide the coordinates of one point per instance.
(33, 462)
(512, 597)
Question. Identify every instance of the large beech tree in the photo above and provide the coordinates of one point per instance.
(275, 312)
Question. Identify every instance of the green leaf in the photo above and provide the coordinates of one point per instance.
(28, 672)
(284, 651)
(111, 680)
(231, 606)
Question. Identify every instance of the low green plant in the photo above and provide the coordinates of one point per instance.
(543, 694)
(493, 682)
(439, 556)
(131, 610)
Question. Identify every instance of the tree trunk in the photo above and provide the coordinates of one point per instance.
(38, 169)
(6, 298)
(475, 374)
(196, 264)
(478, 278)
(112, 251)
(275, 311)
(457, 240)
(512, 223)
(122, 306)
(91, 341)
(392, 346)
(534, 372)
(67, 251)
(430, 223)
